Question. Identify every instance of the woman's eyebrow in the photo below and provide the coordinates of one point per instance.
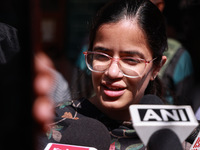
(127, 52)
(99, 48)
(132, 52)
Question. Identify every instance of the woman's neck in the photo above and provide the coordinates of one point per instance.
(119, 115)
(115, 114)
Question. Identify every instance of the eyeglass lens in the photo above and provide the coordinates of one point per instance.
(129, 66)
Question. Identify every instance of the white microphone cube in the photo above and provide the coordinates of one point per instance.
(148, 119)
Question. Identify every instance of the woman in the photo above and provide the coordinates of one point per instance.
(127, 41)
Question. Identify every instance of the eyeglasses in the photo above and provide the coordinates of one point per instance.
(129, 66)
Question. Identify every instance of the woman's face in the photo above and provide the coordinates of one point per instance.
(113, 89)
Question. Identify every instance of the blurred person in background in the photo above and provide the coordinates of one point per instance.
(178, 72)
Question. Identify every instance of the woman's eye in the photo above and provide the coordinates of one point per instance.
(100, 57)
(131, 61)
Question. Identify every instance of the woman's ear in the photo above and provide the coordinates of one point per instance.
(159, 3)
(156, 70)
(161, 6)
(163, 61)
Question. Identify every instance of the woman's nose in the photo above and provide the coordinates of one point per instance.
(114, 71)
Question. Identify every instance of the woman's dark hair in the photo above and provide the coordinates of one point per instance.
(149, 19)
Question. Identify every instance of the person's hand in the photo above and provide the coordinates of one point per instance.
(42, 108)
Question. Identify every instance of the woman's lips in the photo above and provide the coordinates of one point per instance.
(113, 91)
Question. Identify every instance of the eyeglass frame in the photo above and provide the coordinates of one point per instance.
(114, 59)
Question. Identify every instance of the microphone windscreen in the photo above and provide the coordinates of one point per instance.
(151, 99)
(87, 132)
(164, 139)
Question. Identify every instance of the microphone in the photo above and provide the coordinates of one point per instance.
(151, 116)
(164, 139)
(56, 146)
(172, 141)
(86, 132)
(78, 134)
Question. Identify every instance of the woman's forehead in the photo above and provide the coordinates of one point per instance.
(125, 35)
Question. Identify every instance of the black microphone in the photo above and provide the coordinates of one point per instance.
(87, 132)
(164, 139)
(151, 99)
